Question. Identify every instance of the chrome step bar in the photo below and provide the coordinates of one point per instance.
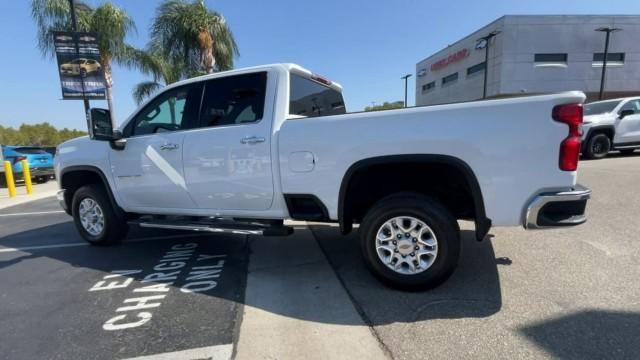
(220, 228)
(204, 228)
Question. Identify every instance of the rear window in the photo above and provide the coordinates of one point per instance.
(600, 107)
(29, 150)
(312, 99)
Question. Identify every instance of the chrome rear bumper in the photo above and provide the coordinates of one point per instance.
(557, 209)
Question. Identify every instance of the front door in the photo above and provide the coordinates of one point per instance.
(628, 129)
(227, 161)
(148, 171)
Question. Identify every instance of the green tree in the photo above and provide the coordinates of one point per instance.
(163, 70)
(386, 106)
(111, 23)
(43, 134)
(189, 33)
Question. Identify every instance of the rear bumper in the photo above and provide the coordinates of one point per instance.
(558, 209)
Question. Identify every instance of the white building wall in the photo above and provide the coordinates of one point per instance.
(512, 69)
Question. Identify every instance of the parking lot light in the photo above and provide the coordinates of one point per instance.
(607, 31)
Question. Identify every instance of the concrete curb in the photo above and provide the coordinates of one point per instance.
(40, 192)
(296, 308)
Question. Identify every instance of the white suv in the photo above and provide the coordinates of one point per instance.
(611, 125)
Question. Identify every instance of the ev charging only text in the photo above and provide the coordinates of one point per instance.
(137, 309)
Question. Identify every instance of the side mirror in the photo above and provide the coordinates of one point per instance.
(100, 127)
(624, 113)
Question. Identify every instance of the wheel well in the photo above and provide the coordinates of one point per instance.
(447, 179)
(609, 131)
(73, 179)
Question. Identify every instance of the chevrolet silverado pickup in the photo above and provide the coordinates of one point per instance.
(242, 151)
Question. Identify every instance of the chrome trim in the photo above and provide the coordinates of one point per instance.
(202, 228)
(576, 193)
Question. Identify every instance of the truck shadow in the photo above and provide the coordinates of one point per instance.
(589, 334)
(472, 291)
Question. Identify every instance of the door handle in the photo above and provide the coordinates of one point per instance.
(168, 146)
(252, 140)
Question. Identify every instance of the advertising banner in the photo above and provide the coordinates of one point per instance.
(81, 74)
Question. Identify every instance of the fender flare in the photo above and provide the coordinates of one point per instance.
(482, 223)
(598, 128)
(94, 169)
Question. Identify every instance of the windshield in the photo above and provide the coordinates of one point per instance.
(600, 107)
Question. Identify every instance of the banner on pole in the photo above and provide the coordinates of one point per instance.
(81, 73)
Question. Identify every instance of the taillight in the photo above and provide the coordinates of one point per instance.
(570, 114)
(20, 158)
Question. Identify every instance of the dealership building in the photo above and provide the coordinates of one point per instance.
(535, 55)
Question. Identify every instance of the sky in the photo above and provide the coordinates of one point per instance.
(366, 46)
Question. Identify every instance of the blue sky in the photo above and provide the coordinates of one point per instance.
(364, 45)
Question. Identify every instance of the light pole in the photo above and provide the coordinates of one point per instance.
(484, 42)
(607, 31)
(74, 28)
(406, 80)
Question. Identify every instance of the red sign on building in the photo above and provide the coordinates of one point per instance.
(455, 57)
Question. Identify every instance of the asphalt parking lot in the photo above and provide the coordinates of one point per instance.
(567, 293)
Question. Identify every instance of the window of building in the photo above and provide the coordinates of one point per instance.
(476, 68)
(613, 59)
(550, 60)
(311, 99)
(428, 87)
(449, 79)
(234, 100)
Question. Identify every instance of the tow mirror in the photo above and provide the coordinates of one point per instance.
(101, 129)
(625, 113)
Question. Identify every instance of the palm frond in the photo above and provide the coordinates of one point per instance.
(144, 90)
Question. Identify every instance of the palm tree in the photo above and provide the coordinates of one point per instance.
(111, 23)
(164, 72)
(193, 35)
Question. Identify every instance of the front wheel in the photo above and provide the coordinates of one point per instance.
(598, 146)
(410, 241)
(95, 218)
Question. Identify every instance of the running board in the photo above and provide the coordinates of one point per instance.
(240, 229)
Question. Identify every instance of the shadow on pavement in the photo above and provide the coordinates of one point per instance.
(590, 334)
(473, 291)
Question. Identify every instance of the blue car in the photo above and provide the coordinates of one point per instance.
(40, 162)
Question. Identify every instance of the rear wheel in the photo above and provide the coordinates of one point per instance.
(626, 151)
(41, 179)
(95, 217)
(598, 146)
(410, 241)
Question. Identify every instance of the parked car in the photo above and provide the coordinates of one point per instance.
(611, 125)
(81, 67)
(243, 150)
(40, 162)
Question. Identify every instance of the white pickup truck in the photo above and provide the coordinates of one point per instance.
(242, 151)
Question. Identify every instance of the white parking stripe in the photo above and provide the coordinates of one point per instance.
(217, 352)
(34, 213)
(6, 250)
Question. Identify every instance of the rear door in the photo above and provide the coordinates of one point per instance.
(227, 161)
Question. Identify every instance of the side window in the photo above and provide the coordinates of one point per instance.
(311, 99)
(234, 100)
(175, 109)
(632, 105)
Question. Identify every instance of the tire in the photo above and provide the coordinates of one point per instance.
(113, 229)
(598, 146)
(41, 179)
(441, 229)
(626, 151)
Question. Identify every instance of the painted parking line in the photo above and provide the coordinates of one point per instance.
(38, 247)
(33, 213)
(218, 352)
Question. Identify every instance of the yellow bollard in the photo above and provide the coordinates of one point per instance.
(26, 174)
(8, 173)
